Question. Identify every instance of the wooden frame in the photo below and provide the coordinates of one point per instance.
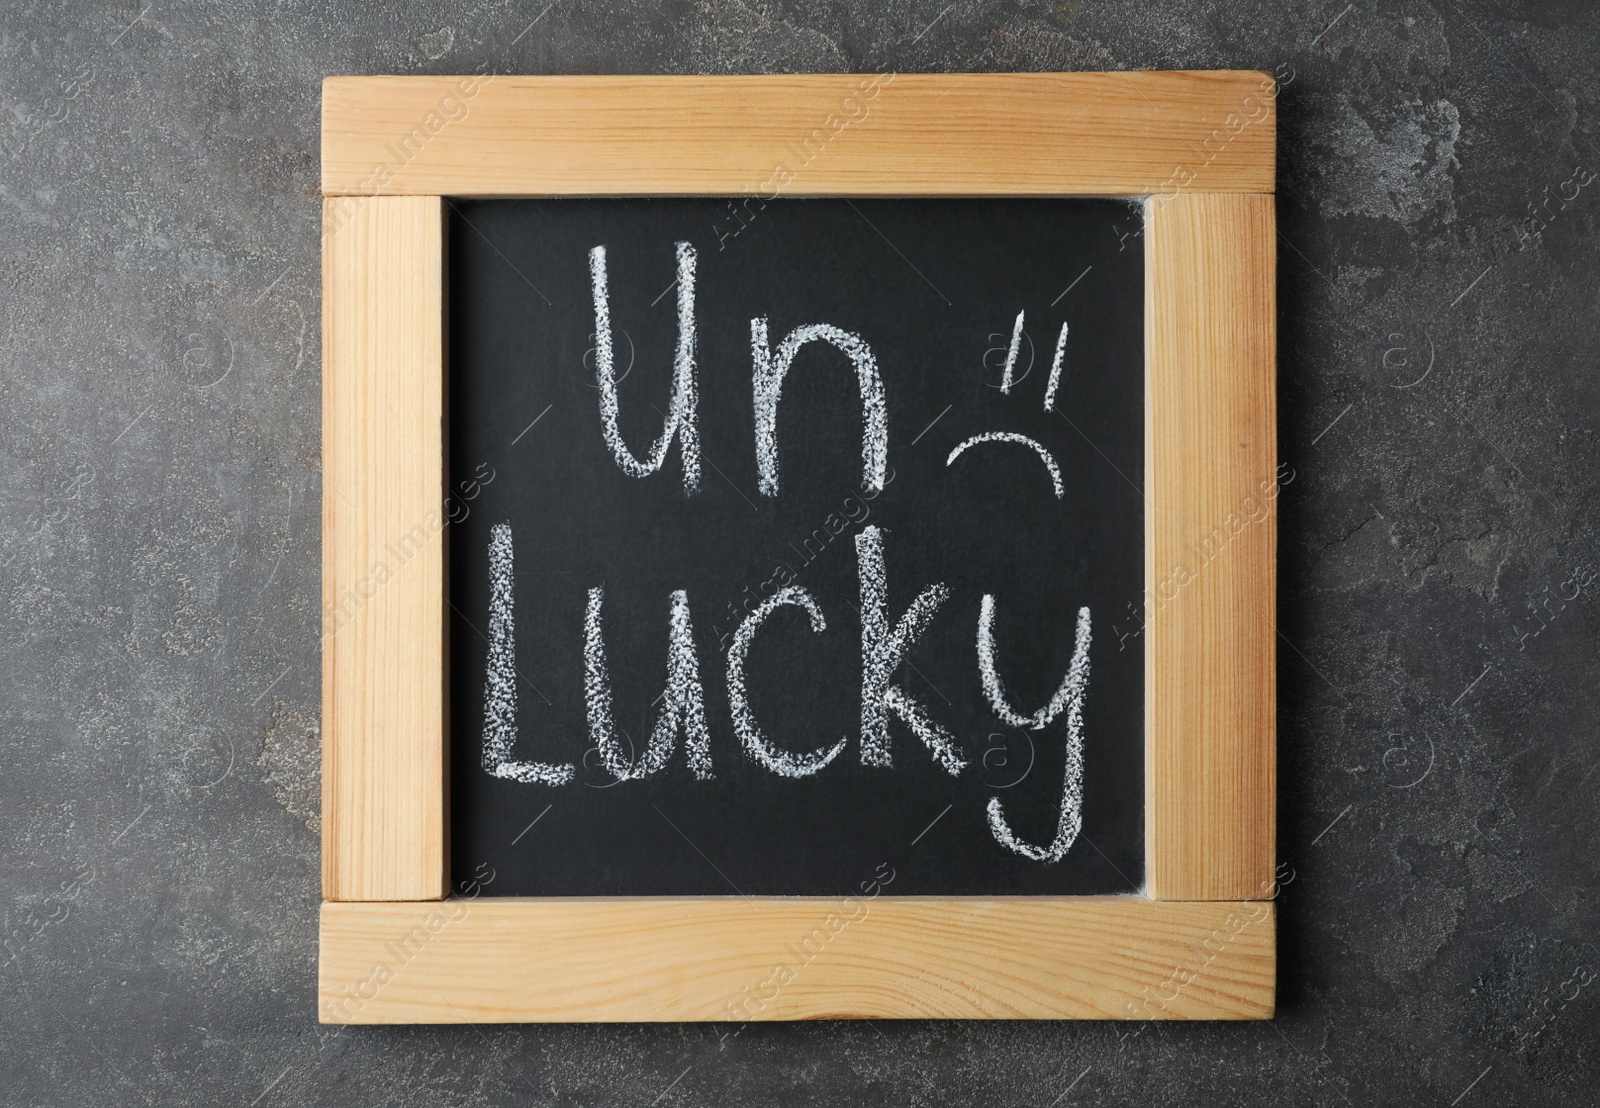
(1199, 944)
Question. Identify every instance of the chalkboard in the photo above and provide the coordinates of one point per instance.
(847, 493)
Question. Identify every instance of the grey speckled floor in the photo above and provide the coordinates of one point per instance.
(159, 538)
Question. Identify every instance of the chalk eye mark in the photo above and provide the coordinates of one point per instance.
(1055, 369)
(1008, 377)
(1011, 436)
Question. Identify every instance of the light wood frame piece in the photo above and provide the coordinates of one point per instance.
(1199, 943)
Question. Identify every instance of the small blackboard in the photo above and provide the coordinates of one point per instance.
(924, 418)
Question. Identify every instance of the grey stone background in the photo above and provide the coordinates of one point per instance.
(159, 554)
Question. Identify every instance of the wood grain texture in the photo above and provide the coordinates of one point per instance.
(1004, 134)
(383, 581)
(568, 960)
(1210, 546)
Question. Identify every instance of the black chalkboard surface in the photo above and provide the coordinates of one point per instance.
(861, 505)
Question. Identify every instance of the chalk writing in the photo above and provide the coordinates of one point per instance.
(682, 410)
(770, 370)
(889, 635)
(781, 762)
(1070, 696)
(500, 682)
(1010, 436)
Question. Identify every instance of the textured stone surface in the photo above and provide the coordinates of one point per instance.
(159, 531)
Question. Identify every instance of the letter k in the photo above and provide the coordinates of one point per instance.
(882, 651)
